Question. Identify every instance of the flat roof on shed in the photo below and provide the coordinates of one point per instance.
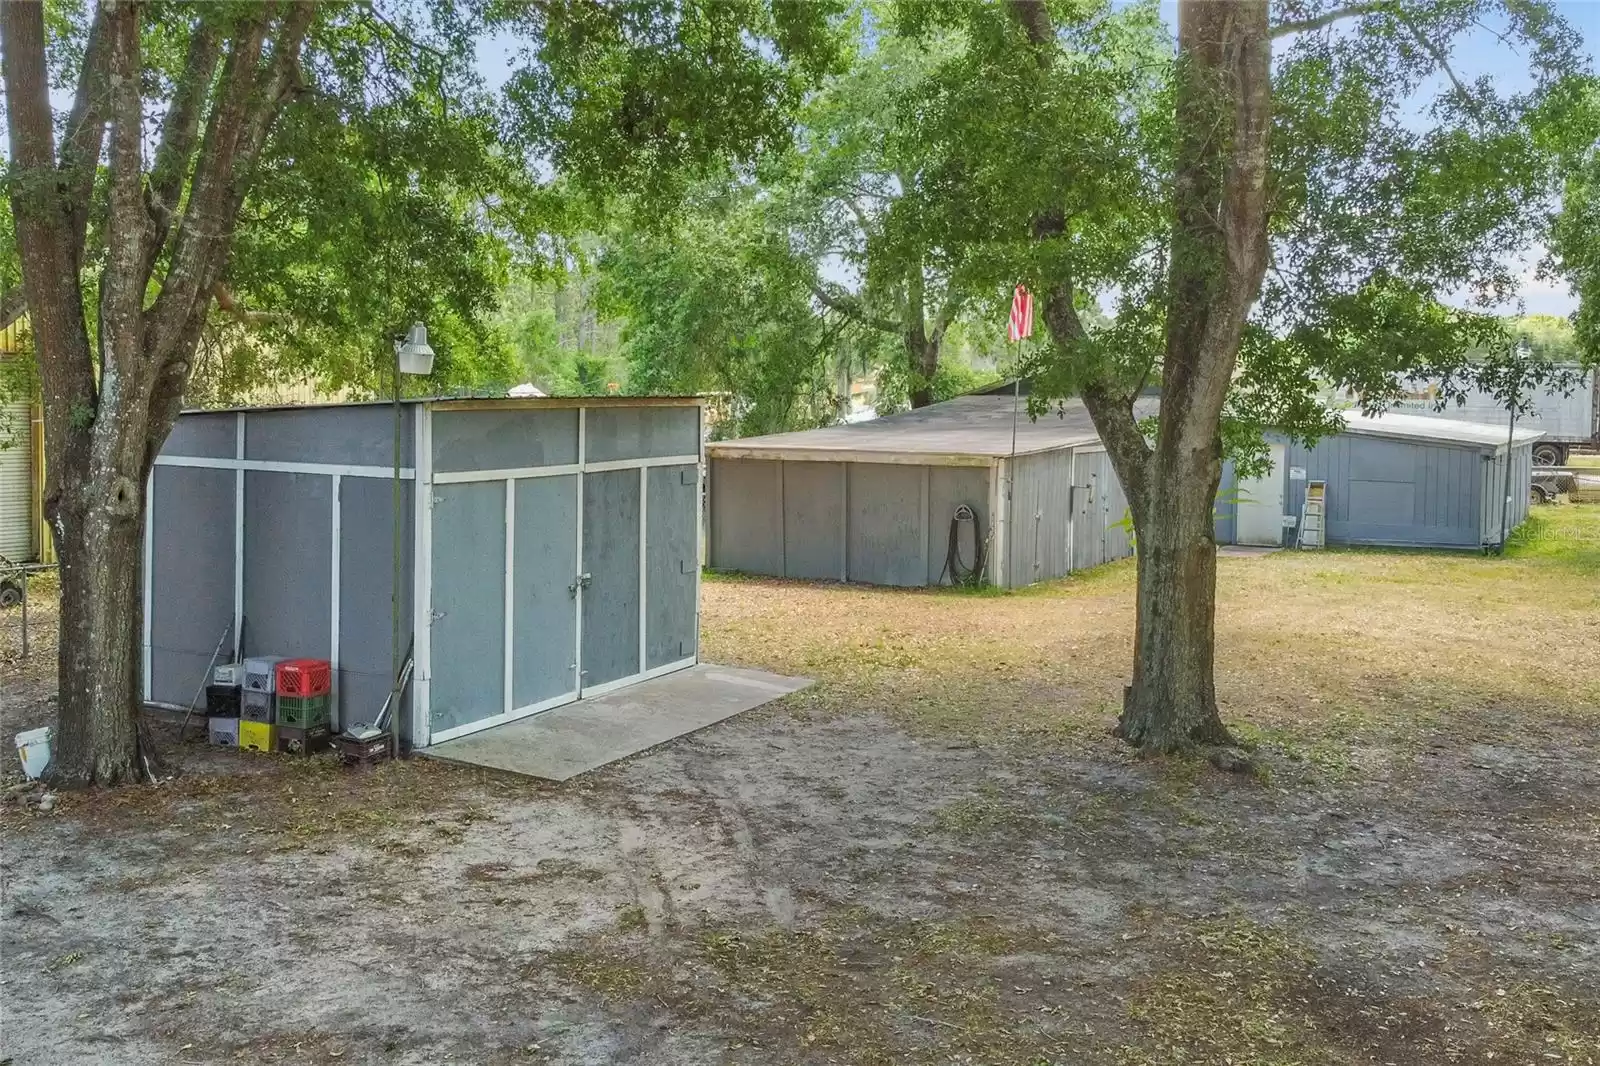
(967, 426)
(466, 403)
(1437, 430)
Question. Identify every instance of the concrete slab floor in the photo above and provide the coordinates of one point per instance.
(560, 744)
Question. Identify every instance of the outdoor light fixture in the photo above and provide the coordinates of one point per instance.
(414, 354)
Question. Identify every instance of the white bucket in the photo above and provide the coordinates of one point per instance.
(33, 746)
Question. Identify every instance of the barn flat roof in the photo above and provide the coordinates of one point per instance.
(1439, 430)
(971, 428)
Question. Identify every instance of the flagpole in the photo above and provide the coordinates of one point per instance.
(1016, 403)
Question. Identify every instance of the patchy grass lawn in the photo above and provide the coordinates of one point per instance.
(934, 855)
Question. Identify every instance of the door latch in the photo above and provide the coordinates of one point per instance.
(581, 581)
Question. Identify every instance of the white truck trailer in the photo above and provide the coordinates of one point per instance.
(1570, 422)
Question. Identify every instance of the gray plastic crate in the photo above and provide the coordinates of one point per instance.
(224, 732)
(255, 706)
(261, 674)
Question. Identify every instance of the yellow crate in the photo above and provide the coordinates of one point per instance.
(256, 736)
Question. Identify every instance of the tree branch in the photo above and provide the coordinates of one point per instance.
(1443, 61)
(180, 130)
(1328, 18)
(127, 222)
(205, 229)
(850, 306)
(85, 133)
(229, 304)
(44, 243)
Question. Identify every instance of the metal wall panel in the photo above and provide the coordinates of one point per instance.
(16, 482)
(353, 436)
(640, 432)
(508, 439)
(746, 516)
(288, 564)
(468, 630)
(366, 575)
(611, 558)
(813, 520)
(211, 436)
(671, 570)
(1088, 547)
(1225, 515)
(191, 599)
(1116, 521)
(948, 488)
(544, 630)
(1390, 492)
(1040, 514)
(888, 542)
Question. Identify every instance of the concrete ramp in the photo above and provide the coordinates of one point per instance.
(562, 743)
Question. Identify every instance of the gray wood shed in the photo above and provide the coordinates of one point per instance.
(1397, 480)
(550, 550)
(873, 502)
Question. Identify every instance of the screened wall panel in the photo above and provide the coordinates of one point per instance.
(288, 564)
(671, 578)
(505, 439)
(191, 520)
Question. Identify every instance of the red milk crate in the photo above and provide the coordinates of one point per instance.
(304, 677)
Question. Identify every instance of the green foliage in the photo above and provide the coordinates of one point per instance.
(560, 340)
(648, 96)
(1574, 129)
(1386, 198)
(953, 378)
(719, 304)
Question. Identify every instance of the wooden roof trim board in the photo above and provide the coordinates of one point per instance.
(732, 450)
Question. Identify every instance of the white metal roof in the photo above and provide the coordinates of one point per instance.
(1440, 430)
(971, 428)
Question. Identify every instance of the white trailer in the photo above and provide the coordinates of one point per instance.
(1568, 421)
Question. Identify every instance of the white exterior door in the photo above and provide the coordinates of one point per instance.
(16, 472)
(1261, 502)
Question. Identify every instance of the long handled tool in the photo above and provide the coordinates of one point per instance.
(378, 726)
(204, 679)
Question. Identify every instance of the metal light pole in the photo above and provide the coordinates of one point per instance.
(1519, 364)
(411, 356)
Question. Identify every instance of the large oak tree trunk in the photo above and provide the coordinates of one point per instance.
(1218, 255)
(109, 407)
(922, 357)
(1172, 703)
(100, 675)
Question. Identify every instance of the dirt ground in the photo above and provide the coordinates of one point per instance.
(934, 855)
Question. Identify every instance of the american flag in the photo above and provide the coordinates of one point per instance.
(1021, 315)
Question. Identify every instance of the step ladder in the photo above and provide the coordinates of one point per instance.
(1313, 516)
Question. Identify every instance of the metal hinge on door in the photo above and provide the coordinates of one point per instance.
(581, 581)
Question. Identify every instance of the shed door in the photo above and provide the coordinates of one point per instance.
(16, 470)
(468, 627)
(610, 632)
(1261, 504)
(544, 592)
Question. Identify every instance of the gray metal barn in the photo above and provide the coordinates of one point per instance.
(557, 541)
(874, 501)
(1397, 480)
